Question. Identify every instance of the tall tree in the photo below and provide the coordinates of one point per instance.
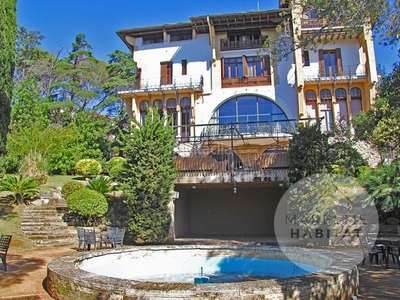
(381, 124)
(350, 15)
(8, 33)
(308, 153)
(149, 179)
(82, 76)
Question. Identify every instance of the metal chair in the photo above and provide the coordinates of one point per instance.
(81, 236)
(90, 238)
(120, 237)
(110, 236)
(5, 241)
(372, 250)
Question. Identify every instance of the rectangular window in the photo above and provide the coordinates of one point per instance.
(184, 66)
(166, 73)
(233, 67)
(306, 58)
(180, 37)
(153, 40)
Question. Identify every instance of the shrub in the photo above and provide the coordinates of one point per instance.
(115, 172)
(87, 203)
(88, 167)
(71, 186)
(23, 189)
(100, 184)
(115, 161)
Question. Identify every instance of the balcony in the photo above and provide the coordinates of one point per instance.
(227, 152)
(246, 81)
(184, 82)
(348, 72)
(316, 23)
(237, 45)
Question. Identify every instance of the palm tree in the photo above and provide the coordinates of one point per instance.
(23, 189)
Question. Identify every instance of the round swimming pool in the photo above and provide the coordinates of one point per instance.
(185, 265)
(170, 272)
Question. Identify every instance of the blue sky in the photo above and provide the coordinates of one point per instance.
(61, 20)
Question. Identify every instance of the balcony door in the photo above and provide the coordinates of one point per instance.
(330, 63)
(166, 73)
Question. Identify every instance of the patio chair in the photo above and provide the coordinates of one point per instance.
(120, 237)
(372, 250)
(90, 239)
(394, 252)
(5, 241)
(110, 236)
(81, 236)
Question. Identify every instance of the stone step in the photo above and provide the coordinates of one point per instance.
(49, 236)
(55, 242)
(44, 226)
(43, 223)
(34, 229)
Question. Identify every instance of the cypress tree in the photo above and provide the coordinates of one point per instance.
(148, 179)
(8, 34)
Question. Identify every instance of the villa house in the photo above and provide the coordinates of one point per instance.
(234, 107)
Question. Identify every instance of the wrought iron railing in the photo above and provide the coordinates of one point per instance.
(164, 83)
(338, 73)
(246, 44)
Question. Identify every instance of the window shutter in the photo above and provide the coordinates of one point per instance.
(321, 63)
(223, 67)
(339, 61)
(245, 66)
(266, 64)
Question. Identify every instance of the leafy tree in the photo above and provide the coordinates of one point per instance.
(121, 70)
(380, 124)
(148, 179)
(82, 76)
(383, 186)
(8, 33)
(309, 153)
(23, 189)
(350, 15)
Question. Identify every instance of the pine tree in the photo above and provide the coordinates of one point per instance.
(148, 179)
(8, 33)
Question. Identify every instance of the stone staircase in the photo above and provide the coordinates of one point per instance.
(44, 225)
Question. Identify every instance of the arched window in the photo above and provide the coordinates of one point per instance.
(326, 110)
(157, 104)
(341, 103)
(171, 111)
(355, 93)
(356, 101)
(144, 106)
(311, 95)
(326, 95)
(249, 108)
(185, 116)
(341, 94)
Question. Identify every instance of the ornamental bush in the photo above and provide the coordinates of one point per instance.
(88, 167)
(87, 203)
(115, 161)
(71, 186)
